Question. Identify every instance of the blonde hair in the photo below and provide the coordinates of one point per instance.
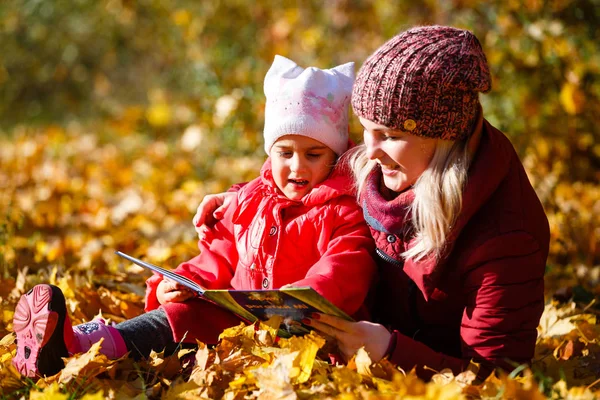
(438, 194)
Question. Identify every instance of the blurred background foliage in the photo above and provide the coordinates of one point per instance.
(117, 116)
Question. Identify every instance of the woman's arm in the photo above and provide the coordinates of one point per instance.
(351, 336)
(379, 343)
(213, 268)
(504, 302)
(210, 210)
(504, 294)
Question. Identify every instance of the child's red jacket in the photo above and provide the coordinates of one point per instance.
(266, 240)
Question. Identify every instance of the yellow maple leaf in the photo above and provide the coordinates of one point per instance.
(86, 365)
(449, 391)
(182, 391)
(345, 379)
(235, 331)
(52, 392)
(274, 380)
(168, 367)
(306, 347)
(94, 396)
(363, 362)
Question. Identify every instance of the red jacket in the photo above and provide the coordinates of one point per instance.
(266, 240)
(484, 298)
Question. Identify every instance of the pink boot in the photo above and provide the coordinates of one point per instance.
(39, 323)
(45, 335)
(91, 332)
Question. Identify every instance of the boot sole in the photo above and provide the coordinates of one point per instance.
(39, 324)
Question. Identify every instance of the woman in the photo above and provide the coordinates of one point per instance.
(461, 235)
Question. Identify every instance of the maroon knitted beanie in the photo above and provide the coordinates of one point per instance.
(424, 81)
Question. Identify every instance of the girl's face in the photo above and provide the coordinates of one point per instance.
(403, 157)
(299, 163)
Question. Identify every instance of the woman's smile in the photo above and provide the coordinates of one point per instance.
(390, 170)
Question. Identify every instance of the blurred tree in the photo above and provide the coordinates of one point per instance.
(162, 68)
(85, 58)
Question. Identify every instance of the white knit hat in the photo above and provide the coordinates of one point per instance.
(310, 102)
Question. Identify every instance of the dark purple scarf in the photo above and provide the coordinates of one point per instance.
(389, 216)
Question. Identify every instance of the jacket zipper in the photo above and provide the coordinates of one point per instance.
(388, 258)
(412, 291)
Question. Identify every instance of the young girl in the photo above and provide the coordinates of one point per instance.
(297, 224)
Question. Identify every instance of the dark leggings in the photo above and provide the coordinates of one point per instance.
(147, 332)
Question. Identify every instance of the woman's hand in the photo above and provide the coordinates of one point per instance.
(169, 291)
(351, 336)
(211, 209)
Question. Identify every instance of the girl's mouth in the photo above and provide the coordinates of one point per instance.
(298, 182)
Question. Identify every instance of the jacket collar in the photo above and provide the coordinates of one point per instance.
(338, 183)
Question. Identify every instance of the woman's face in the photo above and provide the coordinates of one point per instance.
(403, 157)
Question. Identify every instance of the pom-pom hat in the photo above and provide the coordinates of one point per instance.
(424, 81)
(310, 102)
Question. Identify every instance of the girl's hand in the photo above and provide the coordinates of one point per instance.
(211, 209)
(288, 286)
(351, 336)
(169, 291)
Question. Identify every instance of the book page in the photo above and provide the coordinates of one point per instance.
(165, 272)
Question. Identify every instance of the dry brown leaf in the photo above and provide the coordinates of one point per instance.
(85, 366)
(569, 349)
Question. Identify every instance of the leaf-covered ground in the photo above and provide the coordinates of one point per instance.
(69, 198)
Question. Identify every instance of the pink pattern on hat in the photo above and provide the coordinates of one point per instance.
(310, 102)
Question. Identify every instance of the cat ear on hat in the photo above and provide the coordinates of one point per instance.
(282, 68)
(346, 74)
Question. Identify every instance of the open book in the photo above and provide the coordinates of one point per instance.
(293, 304)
